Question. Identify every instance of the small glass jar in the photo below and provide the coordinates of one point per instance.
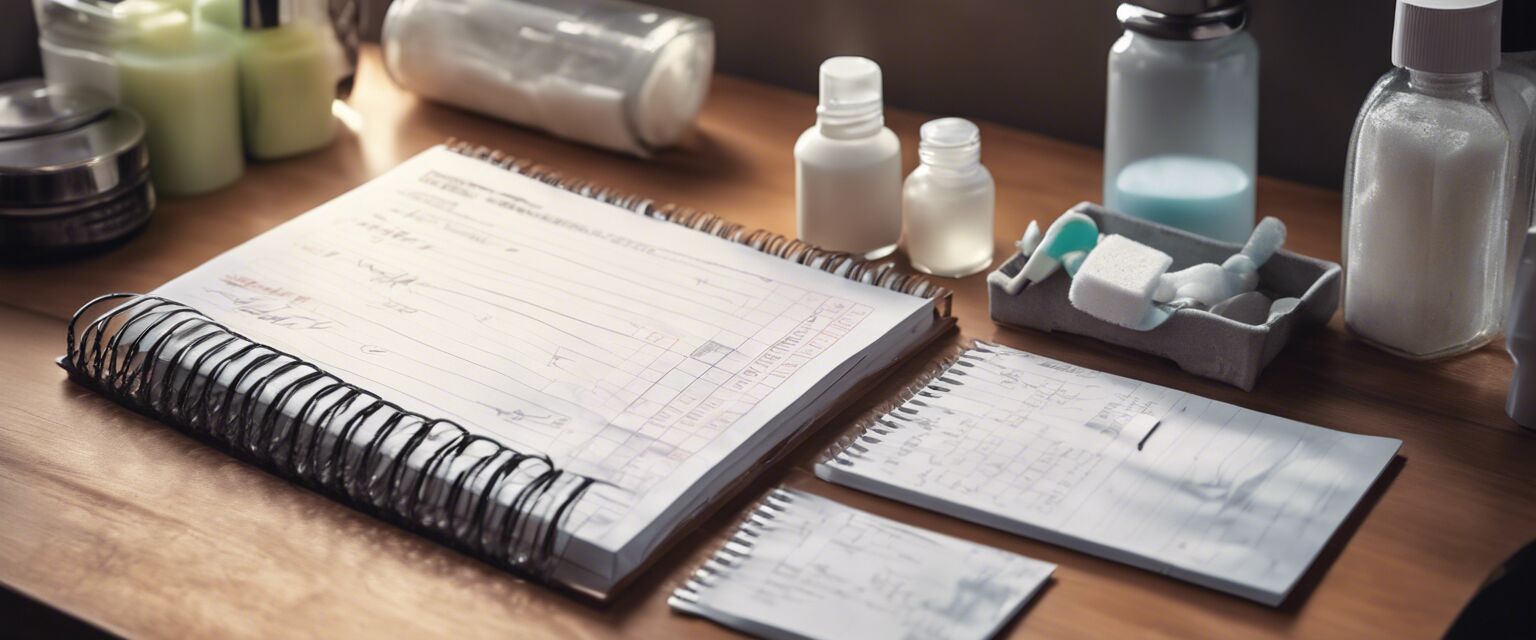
(1181, 128)
(77, 38)
(612, 74)
(948, 201)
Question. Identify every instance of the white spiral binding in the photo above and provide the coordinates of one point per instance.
(736, 550)
(892, 416)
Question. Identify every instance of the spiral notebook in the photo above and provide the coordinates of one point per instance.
(802, 566)
(547, 374)
(1204, 491)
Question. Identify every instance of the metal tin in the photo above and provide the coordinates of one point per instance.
(70, 188)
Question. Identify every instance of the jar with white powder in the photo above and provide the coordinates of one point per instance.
(1426, 217)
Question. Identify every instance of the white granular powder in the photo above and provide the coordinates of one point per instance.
(1426, 231)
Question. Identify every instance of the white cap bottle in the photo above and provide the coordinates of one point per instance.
(848, 166)
(948, 201)
(1426, 202)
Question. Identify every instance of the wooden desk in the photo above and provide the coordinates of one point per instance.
(131, 526)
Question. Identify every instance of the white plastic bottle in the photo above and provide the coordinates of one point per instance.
(948, 202)
(848, 166)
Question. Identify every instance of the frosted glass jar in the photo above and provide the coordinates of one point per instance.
(948, 202)
(1181, 125)
(76, 38)
(611, 74)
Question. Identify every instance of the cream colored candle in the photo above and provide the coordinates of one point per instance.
(287, 83)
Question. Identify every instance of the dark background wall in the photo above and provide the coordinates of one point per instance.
(1034, 64)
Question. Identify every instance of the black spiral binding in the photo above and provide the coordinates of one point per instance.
(159, 358)
(882, 275)
(896, 414)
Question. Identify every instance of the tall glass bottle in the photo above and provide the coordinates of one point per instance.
(1426, 219)
(1181, 127)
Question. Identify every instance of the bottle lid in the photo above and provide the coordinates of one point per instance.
(1184, 19)
(949, 142)
(79, 163)
(30, 107)
(1447, 36)
(1186, 7)
(851, 94)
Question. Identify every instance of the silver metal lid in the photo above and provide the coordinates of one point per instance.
(29, 107)
(1184, 19)
(84, 162)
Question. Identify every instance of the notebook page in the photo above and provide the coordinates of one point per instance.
(1214, 493)
(632, 350)
(809, 567)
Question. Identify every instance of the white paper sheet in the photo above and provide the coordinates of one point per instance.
(809, 567)
(1207, 491)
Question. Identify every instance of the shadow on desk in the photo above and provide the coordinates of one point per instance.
(26, 618)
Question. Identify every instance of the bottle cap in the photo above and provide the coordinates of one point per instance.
(949, 142)
(30, 107)
(851, 94)
(1187, 7)
(1447, 36)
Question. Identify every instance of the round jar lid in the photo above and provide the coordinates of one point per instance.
(65, 166)
(29, 107)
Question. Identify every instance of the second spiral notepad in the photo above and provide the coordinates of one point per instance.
(803, 566)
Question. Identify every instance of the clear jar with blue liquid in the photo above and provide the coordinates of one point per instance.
(1181, 127)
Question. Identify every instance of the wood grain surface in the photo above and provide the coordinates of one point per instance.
(131, 526)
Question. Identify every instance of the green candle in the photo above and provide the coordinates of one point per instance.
(184, 84)
(219, 13)
(287, 83)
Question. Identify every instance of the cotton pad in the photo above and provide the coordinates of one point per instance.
(1118, 279)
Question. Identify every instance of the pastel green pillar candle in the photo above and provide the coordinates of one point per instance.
(287, 83)
(184, 84)
(220, 13)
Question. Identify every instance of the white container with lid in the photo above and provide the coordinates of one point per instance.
(948, 201)
(77, 38)
(1426, 191)
(74, 175)
(848, 165)
(611, 74)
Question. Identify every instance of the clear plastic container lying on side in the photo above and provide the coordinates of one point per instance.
(611, 74)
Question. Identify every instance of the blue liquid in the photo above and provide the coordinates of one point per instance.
(1213, 198)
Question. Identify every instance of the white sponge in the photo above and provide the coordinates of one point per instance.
(1117, 281)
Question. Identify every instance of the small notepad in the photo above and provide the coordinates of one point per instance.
(803, 566)
(1204, 491)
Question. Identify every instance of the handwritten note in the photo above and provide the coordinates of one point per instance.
(630, 350)
(1220, 495)
(807, 567)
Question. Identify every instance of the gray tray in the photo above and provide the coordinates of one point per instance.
(1201, 342)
